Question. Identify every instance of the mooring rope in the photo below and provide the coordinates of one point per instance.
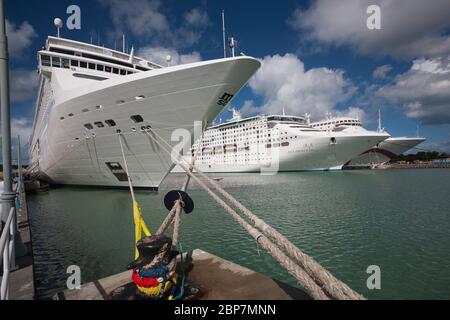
(313, 277)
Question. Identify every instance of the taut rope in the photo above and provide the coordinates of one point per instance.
(319, 283)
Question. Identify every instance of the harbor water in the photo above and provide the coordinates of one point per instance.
(398, 220)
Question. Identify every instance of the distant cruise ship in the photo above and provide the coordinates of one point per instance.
(376, 155)
(88, 95)
(276, 142)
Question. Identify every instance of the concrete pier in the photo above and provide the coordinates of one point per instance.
(22, 279)
(218, 278)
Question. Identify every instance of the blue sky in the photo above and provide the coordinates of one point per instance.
(318, 56)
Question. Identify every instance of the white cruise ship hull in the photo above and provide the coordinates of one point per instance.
(384, 152)
(306, 154)
(64, 152)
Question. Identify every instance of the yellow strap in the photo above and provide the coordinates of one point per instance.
(140, 226)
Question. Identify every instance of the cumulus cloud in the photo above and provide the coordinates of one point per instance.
(410, 28)
(283, 82)
(158, 55)
(19, 37)
(197, 17)
(145, 19)
(20, 127)
(23, 84)
(381, 72)
(423, 92)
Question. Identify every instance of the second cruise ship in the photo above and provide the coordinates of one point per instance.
(275, 143)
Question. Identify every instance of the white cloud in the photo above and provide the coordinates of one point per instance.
(423, 92)
(197, 17)
(21, 127)
(146, 20)
(158, 55)
(381, 72)
(19, 38)
(410, 28)
(23, 84)
(283, 81)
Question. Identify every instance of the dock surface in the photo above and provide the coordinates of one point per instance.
(220, 280)
(22, 278)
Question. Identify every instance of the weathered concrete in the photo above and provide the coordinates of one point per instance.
(22, 279)
(220, 279)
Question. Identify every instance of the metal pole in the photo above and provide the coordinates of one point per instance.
(224, 38)
(19, 166)
(8, 196)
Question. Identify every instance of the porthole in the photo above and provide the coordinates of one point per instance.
(71, 115)
(120, 102)
(62, 118)
(133, 129)
(137, 118)
(99, 107)
(141, 97)
(99, 124)
(89, 126)
(110, 123)
(85, 110)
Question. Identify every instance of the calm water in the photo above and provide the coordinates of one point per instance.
(396, 219)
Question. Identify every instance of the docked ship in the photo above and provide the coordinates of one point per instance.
(376, 155)
(272, 143)
(89, 95)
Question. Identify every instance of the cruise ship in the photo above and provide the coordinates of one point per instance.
(89, 95)
(273, 143)
(377, 154)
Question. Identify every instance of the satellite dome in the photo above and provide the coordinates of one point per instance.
(58, 23)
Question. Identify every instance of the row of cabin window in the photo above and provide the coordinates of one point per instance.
(112, 123)
(58, 62)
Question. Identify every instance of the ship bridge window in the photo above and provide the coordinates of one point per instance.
(110, 123)
(74, 63)
(137, 119)
(108, 69)
(45, 60)
(123, 72)
(99, 124)
(66, 63)
(89, 126)
(115, 70)
(100, 67)
(92, 66)
(56, 62)
(83, 64)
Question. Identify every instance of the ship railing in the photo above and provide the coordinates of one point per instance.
(7, 244)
